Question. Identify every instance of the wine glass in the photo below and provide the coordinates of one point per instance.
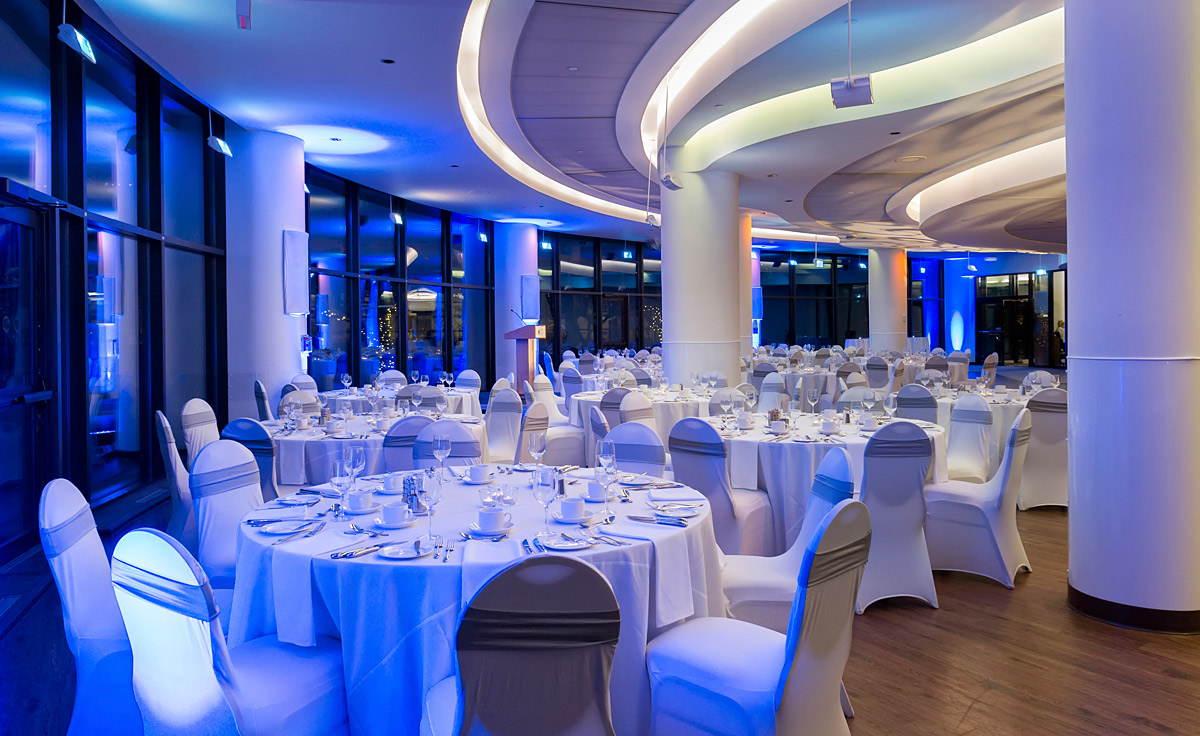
(372, 396)
(416, 400)
(347, 380)
(430, 494)
(324, 399)
(725, 401)
(544, 492)
(889, 405)
(355, 455)
(340, 479)
(751, 399)
(537, 446)
(439, 403)
(812, 396)
(424, 379)
(606, 461)
(795, 410)
(414, 377)
(441, 449)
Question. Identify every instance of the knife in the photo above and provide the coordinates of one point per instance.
(538, 543)
(525, 546)
(664, 520)
(307, 531)
(352, 553)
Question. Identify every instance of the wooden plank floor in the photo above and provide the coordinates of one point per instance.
(993, 661)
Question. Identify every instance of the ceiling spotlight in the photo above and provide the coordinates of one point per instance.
(651, 219)
(76, 40)
(243, 14)
(627, 255)
(819, 262)
(572, 68)
(972, 267)
(922, 269)
(483, 237)
(397, 218)
(219, 146)
(306, 191)
(793, 262)
(862, 264)
(910, 159)
(546, 245)
(1040, 272)
(851, 90)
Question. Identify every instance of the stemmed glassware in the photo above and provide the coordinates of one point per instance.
(430, 494)
(324, 399)
(544, 492)
(416, 400)
(537, 447)
(424, 379)
(347, 380)
(812, 396)
(606, 467)
(889, 405)
(340, 479)
(414, 377)
(439, 402)
(795, 411)
(355, 456)
(441, 449)
(751, 399)
(726, 401)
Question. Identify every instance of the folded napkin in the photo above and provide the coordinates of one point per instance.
(292, 583)
(675, 494)
(481, 560)
(743, 460)
(672, 573)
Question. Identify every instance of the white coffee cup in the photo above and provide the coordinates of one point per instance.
(778, 426)
(479, 473)
(359, 500)
(686, 392)
(493, 520)
(572, 508)
(870, 422)
(389, 410)
(744, 420)
(595, 491)
(393, 482)
(828, 426)
(397, 513)
(829, 414)
(304, 422)
(334, 428)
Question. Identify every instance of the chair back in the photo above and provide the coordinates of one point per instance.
(464, 446)
(537, 419)
(914, 401)
(287, 389)
(1044, 378)
(599, 423)
(569, 355)
(1044, 478)
(260, 399)
(635, 407)
(958, 364)
(759, 373)
(941, 352)
(845, 369)
(304, 382)
(182, 525)
(641, 377)
(182, 672)
(878, 373)
(503, 420)
(199, 427)
(587, 364)
(821, 356)
(937, 363)
(833, 483)
(698, 457)
(773, 393)
(572, 383)
(255, 438)
(225, 487)
(855, 379)
(610, 404)
(429, 396)
(734, 396)
(545, 624)
(895, 462)
(1007, 479)
(393, 378)
(808, 696)
(656, 350)
(399, 440)
(501, 383)
(469, 380)
(306, 401)
(990, 364)
(968, 451)
(639, 449)
(857, 393)
(721, 381)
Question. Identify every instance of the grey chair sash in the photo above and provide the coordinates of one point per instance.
(62, 536)
(613, 404)
(1020, 437)
(424, 449)
(513, 407)
(884, 447)
(957, 359)
(830, 564)
(536, 424)
(399, 440)
(198, 418)
(971, 416)
(916, 402)
(572, 380)
(1052, 407)
(633, 415)
(482, 629)
(832, 490)
(467, 382)
(193, 601)
(694, 447)
(223, 480)
(258, 446)
(640, 453)
(763, 369)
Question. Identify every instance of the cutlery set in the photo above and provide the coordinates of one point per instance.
(307, 531)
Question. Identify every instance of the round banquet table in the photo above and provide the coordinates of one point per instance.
(303, 457)
(1004, 413)
(785, 467)
(669, 408)
(397, 619)
(458, 400)
(824, 381)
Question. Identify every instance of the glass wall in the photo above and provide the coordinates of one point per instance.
(185, 349)
(110, 102)
(925, 299)
(183, 142)
(812, 299)
(25, 79)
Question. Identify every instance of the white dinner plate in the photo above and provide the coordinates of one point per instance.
(363, 512)
(281, 528)
(478, 533)
(557, 516)
(524, 468)
(384, 490)
(483, 482)
(677, 513)
(297, 500)
(636, 480)
(557, 541)
(379, 523)
(405, 551)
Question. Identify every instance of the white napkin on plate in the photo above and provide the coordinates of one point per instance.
(675, 494)
(672, 573)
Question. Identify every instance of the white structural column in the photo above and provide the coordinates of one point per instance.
(516, 255)
(700, 275)
(1133, 116)
(264, 184)
(887, 292)
(747, 265)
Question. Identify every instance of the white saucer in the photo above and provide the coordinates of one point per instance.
(294, 500)
(483, 482)
(363, 512)
(405, 551)
(636, 480)
(478, 533)
(557, 516)
(677, 513)
(384, 490)
(588, 499)
(378, 522)
(557, 542)
(281, 528)
(524, 468)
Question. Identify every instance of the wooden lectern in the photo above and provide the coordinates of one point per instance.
(526, 355)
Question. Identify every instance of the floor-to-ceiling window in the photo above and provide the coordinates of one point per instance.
(812, 298)
(925, 299)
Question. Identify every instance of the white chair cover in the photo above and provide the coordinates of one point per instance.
(610, 404)
(894, 467)
(972, 527)
(878, 373)
(182, 525)
(306, 401)
(635, 407)
(393, 378)
(849, 396)
(199, 427)
(255, 438)
(855, 379)
(104, 701)
(225, 488)
(464, 446)
(734, 396)
(260, 398)
(914, 401)
(845, 369)
(941, 352)
(773, 394)
(544, 391)
(990, 364)
(625, 378)
(286, 389)
(639, 449)
(503, 420)
(469, 380)
(641, 377)
(599, 423)
(587, 364)
(927, 374)
(1044, 480)
(546, 625)
(399, 440)
(188, 682)
(938, 363)
(429, 396)
(968, 452)
(724, 676)
(821, 356)
(741, 518)
(564, 445)
(569, 355)
(548, 369)
(959, 364)
(304, 382)
(656, 350)
(759, 373)
(501, 383)
(1044, 378)
(572, 383)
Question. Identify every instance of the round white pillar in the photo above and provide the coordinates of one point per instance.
(747, 266)
(264, 195)
(1133, 111)
(700, 272)
(887, 294)
(516, 255)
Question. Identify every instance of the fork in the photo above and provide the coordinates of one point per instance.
(448, 548)
(356, 529)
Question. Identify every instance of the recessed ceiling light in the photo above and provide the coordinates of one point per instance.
(910, 159)
(787, 200)
(894, 132)
(572, 68)
(454, 166)
(387, 61)
(772, 176)
(719, 104)
(336, 140)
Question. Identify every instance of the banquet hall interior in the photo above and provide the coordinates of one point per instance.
(638, 367)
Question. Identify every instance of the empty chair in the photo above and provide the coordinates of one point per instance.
(610, 404)
(304, 382)
(990, 363)
(958, 363)
(972, 527)
(429, 396)
(725, 676)
(405, 394)
(894, 466)
(544, 625)
(749, 396)
(260, 399)
(821, 356)
(501, 383)
(741, 518)
(915, 402)
(564, 445)
(286, 389)
(225, 488)
(569, 355)
(104, 700)
(464, 446)
(572, 383)
(199, 427)
(879, 375)
(503, 420)
(835, 361)
(393, 378)
(773, 393)
(548, 369)
(759, 373)
(656, 350)
(717, 376)
(599, 423)
(399, 440)
(306, 401)
(641, 377)
(941, 352)
(928, 374)
(255, 438)
(856, 393)
(587, 364)
(543, 390)
(735, 398)
(855, 379)
(1044, 478)
(968, 452)
(182, 525)
(469, 380)
(845, 369)
(1043, 378)
(638, 449)
(637, 408)
(937, 363)
(188, 681)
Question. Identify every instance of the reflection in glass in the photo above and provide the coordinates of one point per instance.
(812, 322)
(549, 318)
(469, 330)
(776, 320)
(185, 347)
(326, 221)
(111, 135)
(182, 171)
(651, 269)
(618, 265)
(578, 323)
(425, 334)
(423, 242)
(613, 323)
(329, 325)
(25, 81)
(651, 321)
(546, 260)
(380, 338)
(576, 262)
(16, 481)
(468, 250)
(113, 379)
(376, 234)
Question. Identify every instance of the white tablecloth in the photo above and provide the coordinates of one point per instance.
(397, 619)
(1004, 413)
(822, 380)
(668, 409)
(458, 401)
(295, 452)
(785, 469)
